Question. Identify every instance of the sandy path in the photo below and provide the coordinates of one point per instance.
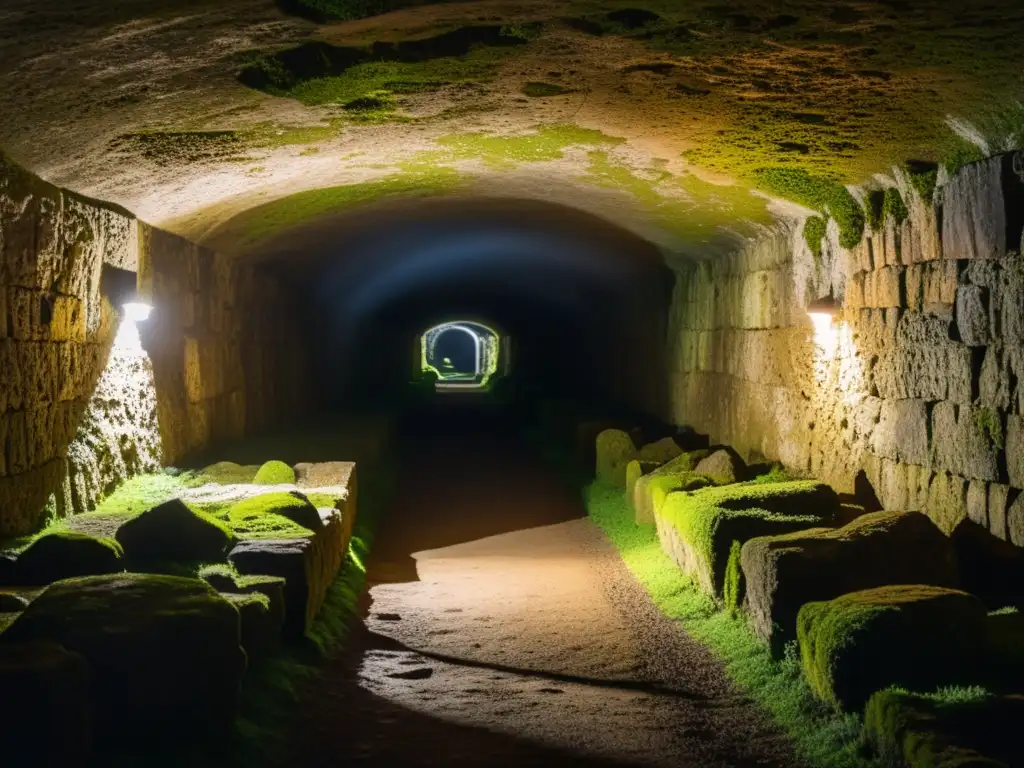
(523, 641)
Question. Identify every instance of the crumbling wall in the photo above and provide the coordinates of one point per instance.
(916, 387)
(54, 334)
(227, 358)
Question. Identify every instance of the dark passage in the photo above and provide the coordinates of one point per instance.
(501, 628)
(456, 352)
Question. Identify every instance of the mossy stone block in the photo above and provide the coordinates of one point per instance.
(172, 532)
(699, 530)
(46, 720)
(923, 731)
(723, 466)
(914, 636)
(615, 450)
(66, 554)
(783, 572)
(660, 451)
(164, 652)
(291, 505)
(274, 473)
(675, 475)
(260, 625)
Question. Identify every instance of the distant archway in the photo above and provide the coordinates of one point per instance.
(462, 353)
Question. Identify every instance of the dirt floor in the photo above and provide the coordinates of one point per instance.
(501, 628)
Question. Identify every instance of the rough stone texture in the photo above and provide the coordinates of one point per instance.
(615, 449)
(45, 691)
(917, 637)
(660, 451)
(722, 466)
(65, 554)
(260, 626)
(308, 564)
(226, 357)
(915, 388)
(141, 634)
(171, 532)
(782, 573)
(651, 488)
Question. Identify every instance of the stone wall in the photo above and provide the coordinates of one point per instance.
(916, 386)
(225, 347)
(225, 342)
(54, 334)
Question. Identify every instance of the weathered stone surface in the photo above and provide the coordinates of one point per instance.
(974, 214)
(902, 431)
(651, 488)
(615, 450)
(45, 690)
(660, 451)
(64, 554)
(977, 503)
(307, 564)
(917, 637)
(140, 634)
(947, 500)
(784, 572)
(171, 532)
(260, 626)
(972, 315)
(999, 497)
(1015, 521)
(991, 568)
(722, 466)
(1015, 450)
(11, 602)
(963, 441)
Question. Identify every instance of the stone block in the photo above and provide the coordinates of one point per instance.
(947, 501)
(854, 298)
(887, 287)
(972, 315)
(974, 213)
(914, 287)
(68, 321)
(977, 503)
(999, 497)
(11, 382)
(1015, 521)
(939, 286)
(994, 384)
(916, 359)
(963, 441)
(902, 431)
(1015, 450)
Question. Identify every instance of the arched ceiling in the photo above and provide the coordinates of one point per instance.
(232, 122)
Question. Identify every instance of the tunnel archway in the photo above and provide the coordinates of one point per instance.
(460, 352)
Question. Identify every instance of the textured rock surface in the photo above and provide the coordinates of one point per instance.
(64, 554)
(141, 634)
(722, 466)
(917, 637)
(650, 489)
(615, 449)
(782, 573)
(307, 564)
(171, 532)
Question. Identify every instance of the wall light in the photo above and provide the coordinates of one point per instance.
(822, 313)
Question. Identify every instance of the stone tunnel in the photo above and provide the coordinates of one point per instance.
(677, 348)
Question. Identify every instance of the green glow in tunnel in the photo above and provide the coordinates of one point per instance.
(482, 339)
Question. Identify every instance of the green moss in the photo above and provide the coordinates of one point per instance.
(287, 514)
(815, 228)
(274, 473)
(227, 473)
(893, 206)
(923, 177)
(874, 213)
(819, 193)
(538, 90)
(823, 739)
(145, 492)
(709, 521)
(960, 153)
(988, 421)
(733, 589)
(546, 143)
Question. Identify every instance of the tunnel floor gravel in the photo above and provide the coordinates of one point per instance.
(501, 628)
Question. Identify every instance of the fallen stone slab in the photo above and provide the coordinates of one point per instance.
(652, 487)
(703, 531)
(172, 532)
(308, 564)
(915, 729)
(46, 719)
(722, 466)
(163, 651)
(615, 449)
(912, 636)
(66, 554)
(782, 573)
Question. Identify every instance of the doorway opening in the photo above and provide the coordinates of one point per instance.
(462, 354)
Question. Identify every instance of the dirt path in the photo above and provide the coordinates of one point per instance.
(503, 629)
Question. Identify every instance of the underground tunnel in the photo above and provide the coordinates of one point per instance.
(501, 382)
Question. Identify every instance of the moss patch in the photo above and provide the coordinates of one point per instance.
(814, 233)
(822, 738)
(819, 193)
(989, 423)
(539, 90)
(274, 473)
(893, 206)
(273, 513)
